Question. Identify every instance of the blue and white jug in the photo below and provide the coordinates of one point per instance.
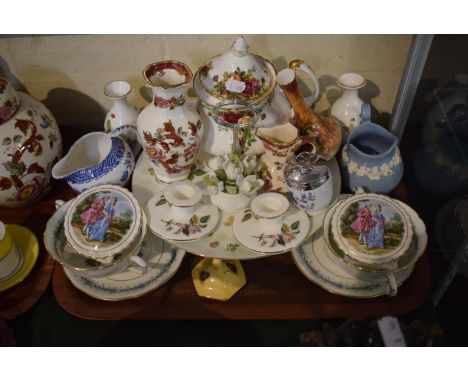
(371, 158)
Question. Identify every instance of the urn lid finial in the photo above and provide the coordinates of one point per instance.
(240, 47)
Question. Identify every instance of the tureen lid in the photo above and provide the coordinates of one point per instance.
(236, 74)
(303, 173)
(102, 221)
(372, 228)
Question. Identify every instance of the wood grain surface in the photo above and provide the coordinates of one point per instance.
(275, 289)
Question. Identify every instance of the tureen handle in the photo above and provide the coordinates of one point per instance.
(302, 66)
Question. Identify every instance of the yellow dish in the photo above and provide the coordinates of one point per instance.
(28, 247)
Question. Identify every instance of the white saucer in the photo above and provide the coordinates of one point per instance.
(248, 230)
(204, 220)
(163, 260)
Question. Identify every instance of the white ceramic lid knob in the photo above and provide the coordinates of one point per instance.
(240, 47)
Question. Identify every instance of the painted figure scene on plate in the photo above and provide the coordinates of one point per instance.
(372, 226)
(102, 217)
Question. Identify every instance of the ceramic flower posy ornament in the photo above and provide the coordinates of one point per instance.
(232, 175)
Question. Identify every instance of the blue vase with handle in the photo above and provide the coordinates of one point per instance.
(371, 158)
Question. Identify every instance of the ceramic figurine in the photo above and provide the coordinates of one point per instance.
(309, 183)
(371, 159)
(240, 75)
(169, 130)
(96, 159)
(121, 118)
(347, 108)
(30, 145)
(322, 132)
(280, 142)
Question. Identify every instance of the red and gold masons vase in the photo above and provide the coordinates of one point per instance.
(169, 129)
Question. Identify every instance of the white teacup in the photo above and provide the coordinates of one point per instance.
(270, 209)
(9, 255)
(182, 196)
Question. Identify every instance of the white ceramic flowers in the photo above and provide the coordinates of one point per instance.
(232, 181)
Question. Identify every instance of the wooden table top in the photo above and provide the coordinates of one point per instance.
(275, 289)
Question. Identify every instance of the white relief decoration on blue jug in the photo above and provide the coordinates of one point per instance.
(101, 169)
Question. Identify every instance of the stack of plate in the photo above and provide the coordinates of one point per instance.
(367, 246)
(98, 235)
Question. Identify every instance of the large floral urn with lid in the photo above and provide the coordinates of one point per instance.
(30, 145)
(243, 76)
(169, 129)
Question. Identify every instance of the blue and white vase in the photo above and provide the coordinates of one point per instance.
(371, 159)
(95, 159)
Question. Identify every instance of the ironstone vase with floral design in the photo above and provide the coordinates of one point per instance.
(170, 130)
(30, 145)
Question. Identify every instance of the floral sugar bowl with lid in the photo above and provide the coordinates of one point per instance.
(169, 129)
(30, 145)
(309, 183)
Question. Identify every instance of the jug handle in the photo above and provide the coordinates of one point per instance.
(302, 66)
(365, 112)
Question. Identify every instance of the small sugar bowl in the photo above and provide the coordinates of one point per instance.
(309, 183)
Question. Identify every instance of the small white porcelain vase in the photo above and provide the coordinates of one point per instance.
(347, 109)
(121, 118)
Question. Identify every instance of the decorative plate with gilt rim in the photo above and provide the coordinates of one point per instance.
(28, 249)
(102, 221)
(163, 261)
(403, 262)
(371, 228)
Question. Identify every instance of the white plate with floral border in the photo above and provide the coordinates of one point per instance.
(220, 244)
(161, 222)
(163, 261)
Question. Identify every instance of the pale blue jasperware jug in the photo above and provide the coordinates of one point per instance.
(371, 158)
